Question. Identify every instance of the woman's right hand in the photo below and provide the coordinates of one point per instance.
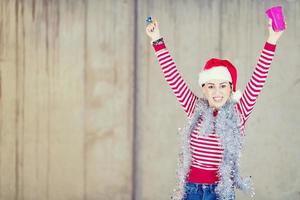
(152, 31)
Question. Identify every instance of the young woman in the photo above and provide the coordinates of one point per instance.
(212, 139)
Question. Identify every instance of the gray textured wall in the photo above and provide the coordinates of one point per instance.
(86, 113)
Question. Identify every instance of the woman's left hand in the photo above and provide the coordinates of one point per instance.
(273, 35)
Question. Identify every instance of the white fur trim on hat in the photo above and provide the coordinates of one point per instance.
(236, 96)
(220, 73)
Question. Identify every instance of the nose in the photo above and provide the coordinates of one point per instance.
(217, 91)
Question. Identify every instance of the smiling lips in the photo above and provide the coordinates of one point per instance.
(218, 98)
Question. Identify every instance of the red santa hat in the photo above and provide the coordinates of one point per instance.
(223, 70)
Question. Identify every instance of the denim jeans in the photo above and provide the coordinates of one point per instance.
(197, 191)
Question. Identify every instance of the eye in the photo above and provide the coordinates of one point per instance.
(223, 86)
(210, 87)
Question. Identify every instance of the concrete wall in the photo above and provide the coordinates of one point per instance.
(66, 120)
(87, 114)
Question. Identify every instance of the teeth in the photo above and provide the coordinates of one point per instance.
(218, 98)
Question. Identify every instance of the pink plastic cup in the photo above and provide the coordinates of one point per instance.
(276, 14)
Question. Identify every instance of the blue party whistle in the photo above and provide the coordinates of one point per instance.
(149, 20)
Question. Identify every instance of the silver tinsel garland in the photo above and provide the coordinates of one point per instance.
(227, 127)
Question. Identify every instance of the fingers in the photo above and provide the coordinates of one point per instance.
(155, 23)
(152, 30)
(270, 28)
(270, 21)
(151, 27)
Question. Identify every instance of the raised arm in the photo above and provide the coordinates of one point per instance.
(184, 95)
(259, 75)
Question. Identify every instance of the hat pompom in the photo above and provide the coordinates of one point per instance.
(236, 96)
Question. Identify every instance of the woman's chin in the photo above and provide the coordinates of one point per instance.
(217, 105)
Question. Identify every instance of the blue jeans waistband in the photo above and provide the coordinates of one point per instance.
(202, 186)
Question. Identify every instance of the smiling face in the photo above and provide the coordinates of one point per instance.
(217, 92)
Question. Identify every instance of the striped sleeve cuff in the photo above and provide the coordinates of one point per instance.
(159, 45)
(269, 46)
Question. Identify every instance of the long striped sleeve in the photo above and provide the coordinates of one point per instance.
(257, 81)
(184, 95)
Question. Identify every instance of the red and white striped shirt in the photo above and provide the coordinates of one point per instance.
(206, 151)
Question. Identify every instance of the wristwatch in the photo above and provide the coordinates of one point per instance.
(158, 41)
